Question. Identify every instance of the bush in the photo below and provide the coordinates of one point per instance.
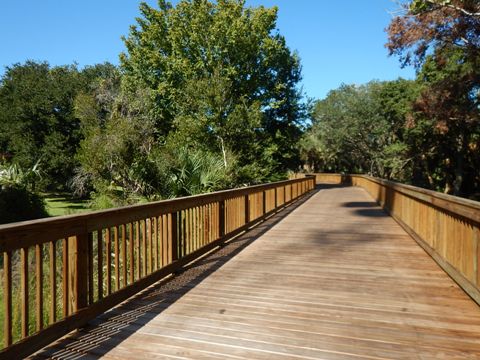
(18, 204)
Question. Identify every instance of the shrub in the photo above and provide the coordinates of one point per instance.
(18, 204)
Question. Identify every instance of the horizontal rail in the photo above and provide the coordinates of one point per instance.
(446, 227)
(58, 273)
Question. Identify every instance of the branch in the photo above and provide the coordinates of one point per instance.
(451, 6)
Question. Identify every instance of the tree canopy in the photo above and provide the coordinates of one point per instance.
(442, 39)
(221, 76)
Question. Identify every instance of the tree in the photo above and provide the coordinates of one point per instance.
(36, 118)
(359, 129)
(442, 39)
(219, 75)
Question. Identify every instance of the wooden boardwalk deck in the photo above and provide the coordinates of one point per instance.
(332, 277)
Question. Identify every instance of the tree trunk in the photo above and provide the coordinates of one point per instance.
(459, 171)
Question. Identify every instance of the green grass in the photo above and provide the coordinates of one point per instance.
(64, 204)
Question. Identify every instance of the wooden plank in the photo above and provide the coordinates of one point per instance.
(90, 267)
(221, 218)
(116, 244)
(144, 247)
(137, 246)
(7, 293)
(39, 287)
(173, 236)
(24, 291)
(80, 286)
(65, 278)
(131, 255)
(53, 281)
(124, 254)
(100, 264)
(108, 261)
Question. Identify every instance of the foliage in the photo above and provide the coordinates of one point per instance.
(37, 119)
(359, 129)
(442, 39)
(193, 171)
(17, 200)
(218, 75)
(18, 204)
(13, 175)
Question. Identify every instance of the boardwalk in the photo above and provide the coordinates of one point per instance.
(330, 278)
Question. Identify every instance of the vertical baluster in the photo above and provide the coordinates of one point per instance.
(131, 255)
(275, 200)
(39, 286)
(100, 263)
(165, 244)
(137, 242)
(150, 245)
(24, 289)
(117, 257)
(155, 243)
(173, 238)
(53, 282)
(90, 267)
(124, 254)
(108, 261)
(195, 229)
(221, 218)
(161, 249)
(144, 246)
(7, 293)
(66, 285)
(184, 233)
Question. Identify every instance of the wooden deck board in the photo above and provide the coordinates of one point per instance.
(336, 278)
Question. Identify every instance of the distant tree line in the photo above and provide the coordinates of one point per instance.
(425, 132)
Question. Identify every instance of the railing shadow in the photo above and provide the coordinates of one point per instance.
(366, 208)
(113, 327)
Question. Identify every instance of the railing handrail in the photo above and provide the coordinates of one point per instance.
(467, 208)
(43, 229)
(447, 227)
(106, 256)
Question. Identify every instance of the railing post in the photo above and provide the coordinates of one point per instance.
(276, 202)
(221, 218)
(247, 209)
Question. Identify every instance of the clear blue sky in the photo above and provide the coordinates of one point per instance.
(338, 41)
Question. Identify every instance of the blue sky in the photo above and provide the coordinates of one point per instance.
(338, 41)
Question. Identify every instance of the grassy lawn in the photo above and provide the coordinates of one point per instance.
(63, 204)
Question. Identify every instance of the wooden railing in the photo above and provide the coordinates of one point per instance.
(447, 227)
(58, 273)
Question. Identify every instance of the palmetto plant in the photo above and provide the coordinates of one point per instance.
(197, 172)
(13, 175)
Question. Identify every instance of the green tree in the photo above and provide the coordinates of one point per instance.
(220, 75)
(36, 118)
(441, 38)
(360, 129)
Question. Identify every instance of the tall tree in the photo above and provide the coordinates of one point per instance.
(360, 129)
(36, 118)
(221, 75)
(442, 39)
